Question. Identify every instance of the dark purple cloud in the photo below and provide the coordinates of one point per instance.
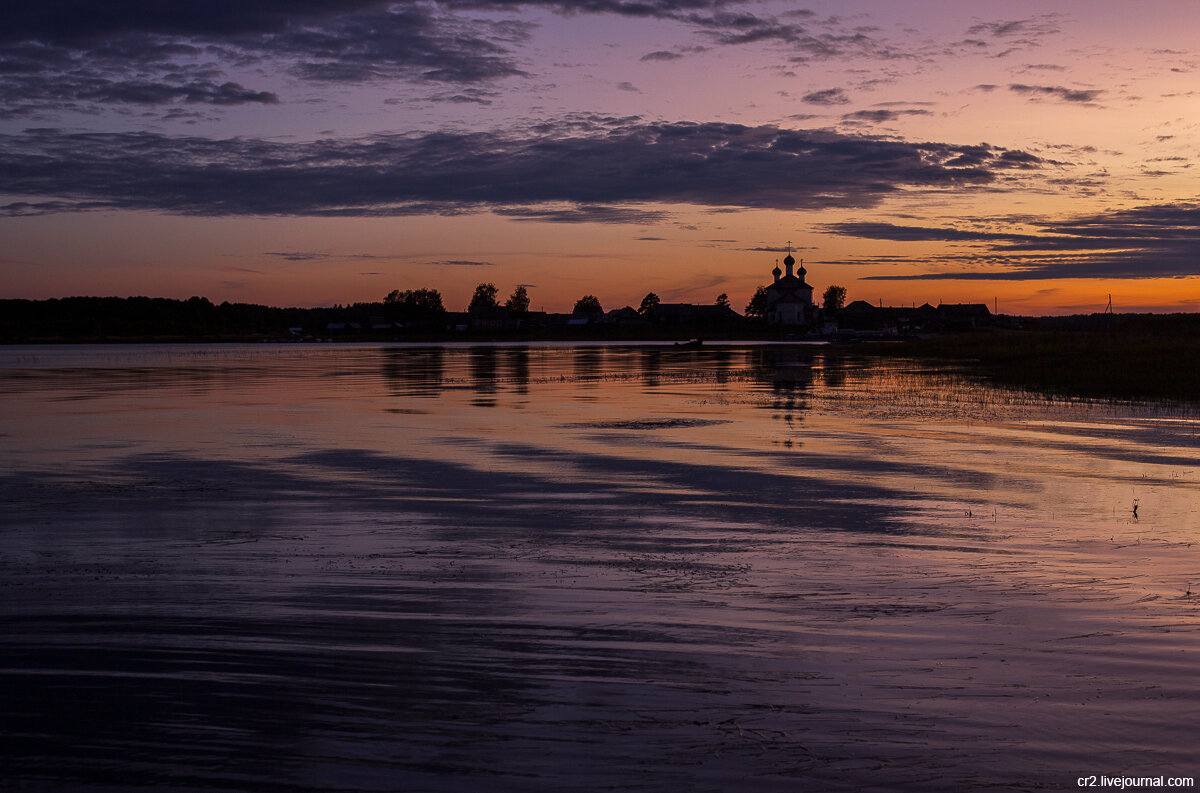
(897, 233)
(1057, 92)
(1029, 27)
(299, 256)
(65, 90)
(591, 213)
(881, 115)
(85, 21)
(176, 53)
(586, 162)
(80, 55)
(806, 41)
(316, 256)
(64, 55)
(828, 96)
(80, 22)
(1156, 241)
(661, 55)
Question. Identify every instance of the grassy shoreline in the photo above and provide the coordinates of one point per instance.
(1106, 364)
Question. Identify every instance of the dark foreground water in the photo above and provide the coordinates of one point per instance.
(598, 568)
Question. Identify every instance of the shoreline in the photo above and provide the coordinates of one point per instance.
(1108, 364)
(1140, 363)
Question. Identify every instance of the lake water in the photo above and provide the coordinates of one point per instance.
(540, 568)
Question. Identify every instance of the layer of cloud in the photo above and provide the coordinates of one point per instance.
(82, 42)
(299, 256)
(76, 55)
(1156, 241)
(591, 213)
(80, 89)
(1057, 92)
(600, 168)
(899, 233)
(71, 55)
(75, 70)
(320, 256)
(880, 116)
(60, 53)
(828, 96)
(82, 22)
(1026, 29)
(661, 55)
(806, 39)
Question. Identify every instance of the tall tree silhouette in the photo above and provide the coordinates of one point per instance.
(834, 298)
(484, 297)
(757, 307)
(518, 301)
(588, 304)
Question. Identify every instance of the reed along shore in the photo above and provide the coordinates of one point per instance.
(1122, 363)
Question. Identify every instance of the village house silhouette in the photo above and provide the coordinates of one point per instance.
(783, 308)
(788, 306)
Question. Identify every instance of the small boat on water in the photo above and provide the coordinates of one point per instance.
(690, 343)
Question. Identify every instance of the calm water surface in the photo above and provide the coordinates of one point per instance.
(744, 567)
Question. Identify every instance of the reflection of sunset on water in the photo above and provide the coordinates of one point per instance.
(557, 563)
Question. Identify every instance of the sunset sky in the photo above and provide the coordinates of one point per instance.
(311, 152)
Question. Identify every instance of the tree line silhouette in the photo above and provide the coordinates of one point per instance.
(117, 318)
